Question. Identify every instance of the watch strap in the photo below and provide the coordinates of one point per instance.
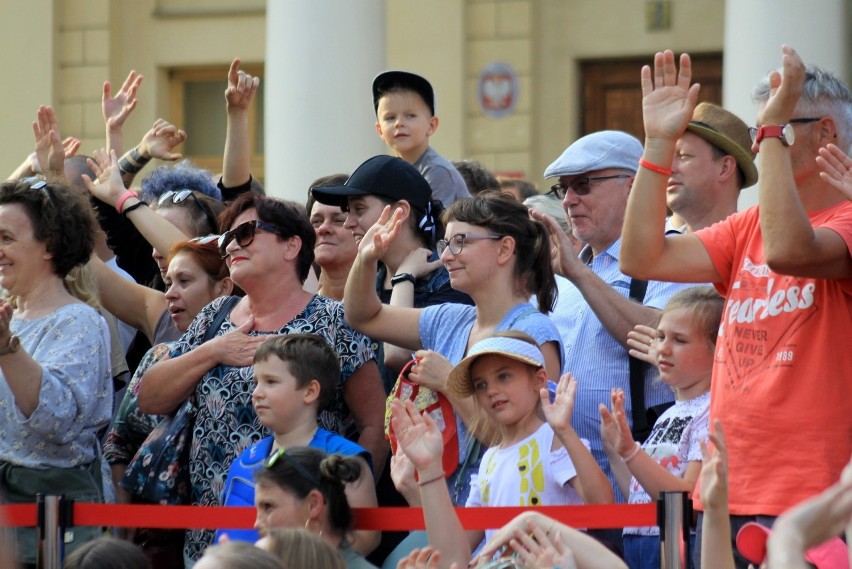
(403, 277)
(771, 131)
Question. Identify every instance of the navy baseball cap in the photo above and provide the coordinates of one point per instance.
(390, 80)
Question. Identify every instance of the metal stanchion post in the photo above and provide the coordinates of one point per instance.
(673, 513)
(48, 532)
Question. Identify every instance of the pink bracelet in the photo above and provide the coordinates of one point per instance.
(633, 454)
(123, 198)
(654, 168)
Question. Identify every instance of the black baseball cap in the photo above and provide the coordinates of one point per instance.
(390, 80)
(384, 176)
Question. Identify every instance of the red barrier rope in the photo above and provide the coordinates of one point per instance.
(385, 519)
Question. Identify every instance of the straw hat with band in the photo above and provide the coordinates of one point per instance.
(459, 382)
(724, 130)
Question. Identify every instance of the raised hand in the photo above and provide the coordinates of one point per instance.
(426, 558)
(785, 88)
(417, 263)
(241, 87)
(536, 548)
(668, 99)
(714, 470)
(161, 140)
(117, 109)
(615, 430)
(836, 169)
(562, 253)
(418, 435)
(49, 149)
(558, 414)
(378, 238)
(640, 340)
(402, 475)
(107, 186)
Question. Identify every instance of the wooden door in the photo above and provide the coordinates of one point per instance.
(612, 95)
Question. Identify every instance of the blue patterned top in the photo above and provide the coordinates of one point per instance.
(226, 423)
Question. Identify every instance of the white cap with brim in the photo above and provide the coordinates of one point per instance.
(459, 382)
(598, 151)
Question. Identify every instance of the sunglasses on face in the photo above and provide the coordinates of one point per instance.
(581, 186)
(244, 234)
(180, 196)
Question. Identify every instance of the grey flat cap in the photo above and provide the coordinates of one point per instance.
(598, 151)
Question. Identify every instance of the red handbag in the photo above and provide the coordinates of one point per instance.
(426, 401)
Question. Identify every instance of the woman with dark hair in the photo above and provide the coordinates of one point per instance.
(336, 247)
(493, 252)
(269, 250)
(305, 487)
(55, 373)
(107, 553)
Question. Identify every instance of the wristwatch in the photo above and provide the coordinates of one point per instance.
(12, 346)
(784, 132)
(403, 277)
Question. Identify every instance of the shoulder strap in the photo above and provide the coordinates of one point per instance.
(637, 369)
(220, 317)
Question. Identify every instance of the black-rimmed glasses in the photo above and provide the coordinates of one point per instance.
(244, 234)
(581, 186)
(752, 130)
(456, 243)
(180, 196)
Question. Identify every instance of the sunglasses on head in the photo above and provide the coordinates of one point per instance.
(282, 454)
(180, 196)
(244, 234)
(205, 240)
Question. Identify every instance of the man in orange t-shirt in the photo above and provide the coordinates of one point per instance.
(780, 387)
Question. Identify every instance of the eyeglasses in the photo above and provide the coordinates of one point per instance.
(456, 242)
(206, 240)
(581, 186)
(244, 234)
(40, 184)
(180, 196)
(281, 453)
(752, 130)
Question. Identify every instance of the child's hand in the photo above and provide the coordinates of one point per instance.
(714, 470)
(539, 549)
(107, 186)
(402, 475)
(641, 343)
(418, 435)
(558, 414)
(836, 169)
(374, 244)
(615, 430)
(426, 558)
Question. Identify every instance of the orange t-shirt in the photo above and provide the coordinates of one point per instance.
(782, 375)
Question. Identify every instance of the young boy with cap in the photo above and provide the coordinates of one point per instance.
(405, 119)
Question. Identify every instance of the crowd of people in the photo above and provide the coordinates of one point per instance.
(424, 333)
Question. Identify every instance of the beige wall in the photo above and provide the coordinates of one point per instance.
(448, 41)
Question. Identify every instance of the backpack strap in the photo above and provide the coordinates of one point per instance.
(637, 371)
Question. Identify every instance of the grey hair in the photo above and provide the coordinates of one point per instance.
(824, 93)
(550, 205)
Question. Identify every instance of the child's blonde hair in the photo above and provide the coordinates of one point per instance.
(705, 306)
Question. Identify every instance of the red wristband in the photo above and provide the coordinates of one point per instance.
(123, 198)
(654, 168)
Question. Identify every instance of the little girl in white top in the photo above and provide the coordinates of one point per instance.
(538, 460)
